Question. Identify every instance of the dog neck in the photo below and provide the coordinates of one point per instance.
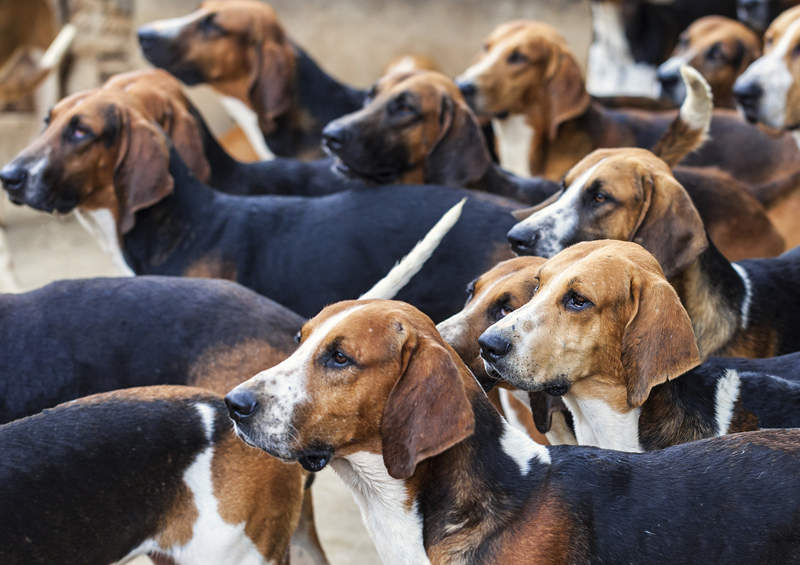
(716, 294)
(497, 180)
(598, 423)
(319, 99)
(442, 513)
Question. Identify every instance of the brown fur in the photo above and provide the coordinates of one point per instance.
(413, 61)
(732, 46)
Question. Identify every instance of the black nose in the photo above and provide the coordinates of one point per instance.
(147, 36)
(334, 136)
(241, 404)
(747, 94)
(493, 346)
(467, 88)
(13, 178)
(667, 78)
(522, 239)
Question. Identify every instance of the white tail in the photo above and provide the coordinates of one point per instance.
(410, 265)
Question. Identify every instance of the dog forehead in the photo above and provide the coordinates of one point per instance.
(601, 257)
(615, 164)
(779, 27)
(521, 32)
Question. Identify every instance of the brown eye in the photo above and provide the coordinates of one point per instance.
(516, 57)
(599, 197)
(505, 310)
(298, 337)
(340, 358)
(575, 302)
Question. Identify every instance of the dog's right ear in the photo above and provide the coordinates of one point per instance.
(141, 172)
(427, 411)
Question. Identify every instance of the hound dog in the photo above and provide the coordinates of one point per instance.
(607, 332)
(491, 297)
(101, 155)
(146, 470)
(441, 478)
(416, 127)
(720, 49)
(745, 309)
(241, 50)
(530, 83)
(162, 97)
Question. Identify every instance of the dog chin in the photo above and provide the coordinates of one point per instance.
(271, 444)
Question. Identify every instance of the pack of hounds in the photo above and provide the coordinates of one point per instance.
(619, 384)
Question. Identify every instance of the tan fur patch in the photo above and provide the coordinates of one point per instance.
(221, 368)
(211, 267)
(177, 525)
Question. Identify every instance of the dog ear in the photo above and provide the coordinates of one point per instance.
(141, 173)
(523, 213)
(272, 90)
(427, 411)
(187, 138)
(670, 228)
(566, 92)
(460, 156)
(658, 343)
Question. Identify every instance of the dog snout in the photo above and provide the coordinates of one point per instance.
(241, 404)
(522, 239)
(748, 94)
(14, 178)
(493, 346)
(335, 136)
(467, 88)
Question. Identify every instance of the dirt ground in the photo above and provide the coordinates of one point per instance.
(44, 248)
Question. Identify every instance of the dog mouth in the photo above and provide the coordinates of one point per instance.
(556, 389)
(315, 460)
(488, 378)
(385, 176)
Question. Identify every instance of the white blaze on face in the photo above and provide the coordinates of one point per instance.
(772, 75)
(170, 28)
(474, 73)
(285, 386)
(557, 223)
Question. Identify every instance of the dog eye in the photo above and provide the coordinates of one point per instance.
(502, 310)
(298, 337)
(715, 52)
(209, 25)
(575, 302)
(796, 50)
(401, 105)
(338, 360)
(516, 57)
(599, 197)
(79, 133)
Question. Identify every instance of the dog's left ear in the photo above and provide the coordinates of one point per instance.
(658, 343)
(141, 173)
(272, 89)
(460, 156)
(566, 92)
(427, 411)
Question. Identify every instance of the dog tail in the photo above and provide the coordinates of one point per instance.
(689, 130)
(410, 265)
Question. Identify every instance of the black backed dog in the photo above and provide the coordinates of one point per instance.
(77, 337)
(101, 155)
(240, 49)
(145, 470)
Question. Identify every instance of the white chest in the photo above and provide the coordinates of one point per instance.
(101, 225)
(514, 141)
(597, 424)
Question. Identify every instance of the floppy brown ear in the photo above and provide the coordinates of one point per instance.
(184, 130)
(427, 411)
(659, 343)
(461, 155)
(141, 174)
(272, 90)
(566, 92)
(671, 229)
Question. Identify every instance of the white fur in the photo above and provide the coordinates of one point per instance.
(725, 401)
(410, 265)
(744, 309)
(475, 71)
(170, 28)
(395, 529)
(509, 411)
(596, 423)
(772, 74)
(611, 69)
(698, 106)
(560, 433)
(404, 64)
(101, 225)
(246, 119)
(514, 141)
(557, 222)
(521, 448)
(213, 539)
(796, 137)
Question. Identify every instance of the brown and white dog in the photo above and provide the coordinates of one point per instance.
(145, 470)
(745, 309)
(607, 332)
(720, 49)
(240, 49)
(441, 478)
(529, 82)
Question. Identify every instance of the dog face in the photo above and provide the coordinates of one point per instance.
(768, 91)
(238, 48)
(415, 127)
(97, 151)
(719, 48)
(490, 297)
(626, 194)
(367, 376)
(603, 317)
(526, 68)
